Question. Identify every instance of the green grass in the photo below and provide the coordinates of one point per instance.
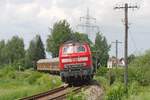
(138, 86)
(144, 94)
(141, 96)
(76, 96)
(14, 85)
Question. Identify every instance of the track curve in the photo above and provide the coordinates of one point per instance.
(54, 94)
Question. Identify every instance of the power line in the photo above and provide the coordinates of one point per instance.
(126, 7)
(133, 41)
(87, 23)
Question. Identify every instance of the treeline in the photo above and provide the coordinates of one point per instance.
(13, 51)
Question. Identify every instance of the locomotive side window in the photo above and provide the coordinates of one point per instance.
(81, 49)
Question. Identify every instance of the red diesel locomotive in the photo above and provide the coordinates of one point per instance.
(75, 61)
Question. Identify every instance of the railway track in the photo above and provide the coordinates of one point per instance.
(59, 93)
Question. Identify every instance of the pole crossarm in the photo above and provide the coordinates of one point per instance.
(123, 7)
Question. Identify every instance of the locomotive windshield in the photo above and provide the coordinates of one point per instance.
(68, 49)
(73, 49)
(80, 49)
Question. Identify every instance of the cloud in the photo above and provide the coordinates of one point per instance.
(29, 17)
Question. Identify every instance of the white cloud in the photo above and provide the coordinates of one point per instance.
(27, 17)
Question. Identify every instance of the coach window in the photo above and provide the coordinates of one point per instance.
(80, 49)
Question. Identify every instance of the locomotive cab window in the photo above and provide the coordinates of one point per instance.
(81, 49)
(68, 49)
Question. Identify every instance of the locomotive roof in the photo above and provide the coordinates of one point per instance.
(48, 60)
(75, 42)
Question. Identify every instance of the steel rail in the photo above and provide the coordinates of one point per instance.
(43, 94)
(59, 93)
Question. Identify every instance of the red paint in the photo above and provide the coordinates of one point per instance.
(75, 53)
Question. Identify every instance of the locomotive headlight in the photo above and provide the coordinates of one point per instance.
(83, 59)
(66, 60)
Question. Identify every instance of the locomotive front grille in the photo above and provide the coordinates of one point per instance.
(73, 67)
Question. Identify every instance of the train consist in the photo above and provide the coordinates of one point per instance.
(48, 65)
(74, 63)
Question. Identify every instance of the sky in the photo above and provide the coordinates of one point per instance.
(26, 18)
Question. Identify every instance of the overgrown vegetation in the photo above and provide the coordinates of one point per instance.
(15, 84)
(76, 96)
(138, 80)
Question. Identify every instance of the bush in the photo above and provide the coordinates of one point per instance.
(140, 74)
(145, 95)
(116, 92)
(33, 77)
(134, 88)
(140, 69)
(43, 80)
(138, 78)
(101, 71)
(103, 82)
(11, 75)
(7, 72)
(115, 75)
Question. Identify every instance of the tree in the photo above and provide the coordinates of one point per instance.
(101, 49)
(61, 33)
(15, 52)
(40, 48)
(35, 52)
(131, 58)
(81, 38)
(2, 52)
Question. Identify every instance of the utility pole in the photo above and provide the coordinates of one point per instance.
(87, 23)
(117, 42)
(126, 7)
